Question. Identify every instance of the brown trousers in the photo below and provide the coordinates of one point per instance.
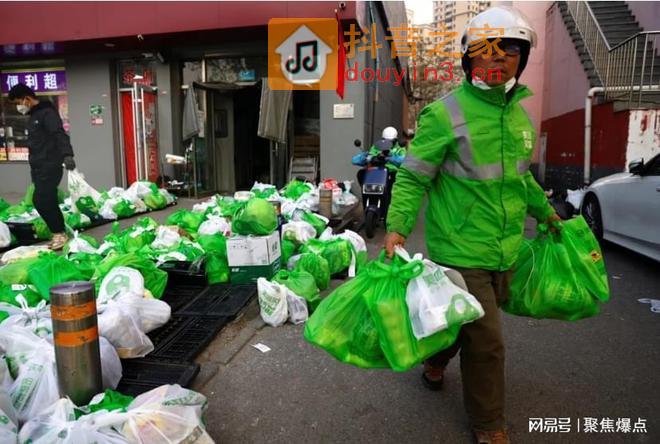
(482, 351)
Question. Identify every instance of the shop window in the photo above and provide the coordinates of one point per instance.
(49, 84)
(236, 70)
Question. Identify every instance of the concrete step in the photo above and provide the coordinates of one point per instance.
(613, 14)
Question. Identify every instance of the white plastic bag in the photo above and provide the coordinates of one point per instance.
(80, 245)
(215, 225)
(25, 252)
(166, 237)
(106, 211)
(78, 188)
(120, 281)
(203, 206)
(58, 425)
(167, 414)
(298, 231)
(297, 308)
(8, 419)
(152, 313)
(120, 324)
(358, 243)
(273, 302)
(169, 197)
(435, 303)
(5, 235)
(139, 190)
(111, 369)
(575, 197)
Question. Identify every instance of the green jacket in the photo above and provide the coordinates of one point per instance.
(471, 154)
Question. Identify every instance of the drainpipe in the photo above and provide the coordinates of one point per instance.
(587, 132)
(587, 121)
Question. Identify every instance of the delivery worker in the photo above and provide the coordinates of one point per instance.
(471, 155)
(49, 147)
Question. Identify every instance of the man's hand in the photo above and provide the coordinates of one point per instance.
(550, 220)
(69, 163)
(391, 241)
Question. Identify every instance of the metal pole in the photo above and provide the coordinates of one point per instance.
(641, 76)
(76, 340)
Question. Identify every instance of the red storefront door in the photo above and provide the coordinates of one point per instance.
(140, 134)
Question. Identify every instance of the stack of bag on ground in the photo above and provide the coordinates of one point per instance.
(166, 414)
(83, 205)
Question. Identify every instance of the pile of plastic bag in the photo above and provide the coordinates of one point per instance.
(559, 275)
(169, 414)
(393, 314)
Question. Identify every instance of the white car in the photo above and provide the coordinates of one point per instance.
(624, 208)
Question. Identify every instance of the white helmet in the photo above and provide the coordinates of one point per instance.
(508, 23)
(390, 133)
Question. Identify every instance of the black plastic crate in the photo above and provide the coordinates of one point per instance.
(221, 300)
(178, 296)
(142, 375)
(185, 273)
(24, 233)
(189, 338)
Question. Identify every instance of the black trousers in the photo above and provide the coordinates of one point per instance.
(46, 180)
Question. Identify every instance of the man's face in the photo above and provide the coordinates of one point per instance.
(497, 69)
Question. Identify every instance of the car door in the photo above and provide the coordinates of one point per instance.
(636, 207)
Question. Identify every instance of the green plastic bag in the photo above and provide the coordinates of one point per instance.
(29, 194)
(388, 308)
(265, 192)
(343, 326)
(187, 220)
(77, 220)
(315, 265)
(155, 201)
(217, 267)
(86, 263)
(133, 240)
(155, 279)
(3, 315)
(553, 277)
(228, 206)
(314, 220)
(88, 207)
(124, 209)
(8, 294)
(16, 272)
(258, 218)
(301, 283)
(41, 229)
(288, 250)
(338, 252)
(3, 205)
(51, 269)
(112, 401)
(296, 189)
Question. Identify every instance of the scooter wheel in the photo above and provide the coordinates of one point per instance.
(370, 221)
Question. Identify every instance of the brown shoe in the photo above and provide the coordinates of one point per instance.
(433, 377)
(58, 241)
(491, 436)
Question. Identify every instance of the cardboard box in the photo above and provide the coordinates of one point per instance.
(252, 257)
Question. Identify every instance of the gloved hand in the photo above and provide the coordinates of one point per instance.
(69, 163)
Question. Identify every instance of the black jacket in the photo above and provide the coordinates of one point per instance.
(48, 142)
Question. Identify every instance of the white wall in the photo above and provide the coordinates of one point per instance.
(643, 135)
(647, 14)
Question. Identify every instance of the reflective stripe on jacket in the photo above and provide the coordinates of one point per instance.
(471, 154)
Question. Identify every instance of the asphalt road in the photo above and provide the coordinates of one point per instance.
(603, 367)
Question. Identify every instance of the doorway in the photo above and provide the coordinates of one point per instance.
(139, 125)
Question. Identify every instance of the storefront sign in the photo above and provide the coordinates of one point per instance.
(42, 81)
(130, 69)
(247, 75)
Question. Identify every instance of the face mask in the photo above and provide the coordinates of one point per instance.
(23, 109)
(482, 85)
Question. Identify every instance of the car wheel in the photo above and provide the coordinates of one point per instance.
(591, 213)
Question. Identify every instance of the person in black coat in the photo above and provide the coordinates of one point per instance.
(50, 149)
